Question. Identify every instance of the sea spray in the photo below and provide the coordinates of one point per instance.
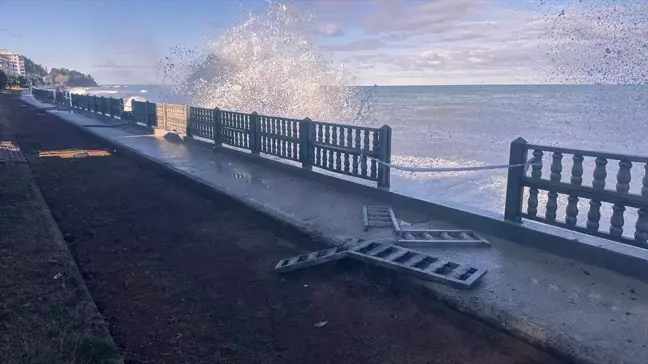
(268, 63)
(597, 41)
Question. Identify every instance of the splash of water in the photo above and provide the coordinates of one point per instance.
(268, 63)
(598, 41)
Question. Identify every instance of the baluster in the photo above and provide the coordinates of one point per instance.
(318, 150)
(327, 134)
(644, 181)
(617, 221)
(356, 145)
(623, 177)
(555, 176)
(577, 170)
(277, 139)
(622, 186)
(347, 159)
(325, 151)
(365, 141)
(338, 159)
(263, 129)
(375, 148)
(330, 154)
(365, 147)
(572, 210)
(335, 136)
(284, 144)
(594, 213)
(536, 174)
(244, 122)
(275, 131)
(572, 201)
(641, 227)
(273, 140)
(349, 137)
(295, 152)
(269, 137)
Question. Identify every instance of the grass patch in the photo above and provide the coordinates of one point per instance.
(46, 314)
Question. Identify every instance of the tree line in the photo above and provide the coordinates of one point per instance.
(36, 75)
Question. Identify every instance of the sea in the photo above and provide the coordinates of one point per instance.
(458, 126)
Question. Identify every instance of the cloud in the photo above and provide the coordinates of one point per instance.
(330, 30)
(113, 65)
(407, 18)
(475, 40)
(365, 44)
(11, 34)
(214, 23)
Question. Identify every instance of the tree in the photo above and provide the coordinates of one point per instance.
(33, 68)
(22, 81)
(73, 78)
(3, 80)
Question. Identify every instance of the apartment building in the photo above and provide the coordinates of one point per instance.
(12, 63)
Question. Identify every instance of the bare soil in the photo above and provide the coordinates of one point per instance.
(183, 279)
(46, 313)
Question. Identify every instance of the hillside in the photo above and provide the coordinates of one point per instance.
(72, 78)
(58, 76)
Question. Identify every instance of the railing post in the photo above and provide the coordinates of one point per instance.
(514, 188)
(218, 141)
(164, 117)
(188, 131)
(305, 146)
(110, 103)
(384, 171)
(146, 113)
(255, 133)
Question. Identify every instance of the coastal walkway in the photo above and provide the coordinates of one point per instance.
(578, 311)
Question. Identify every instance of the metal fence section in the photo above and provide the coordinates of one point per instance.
(338, 148)
(235, 130)
(280, 137)
(344, 149)
(622, 200)
(203, 122)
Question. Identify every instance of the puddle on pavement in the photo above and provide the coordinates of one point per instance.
(247, 178)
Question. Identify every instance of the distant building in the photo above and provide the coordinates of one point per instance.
(6, 66)
(12, 63)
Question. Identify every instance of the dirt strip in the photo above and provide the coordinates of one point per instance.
(46, 312)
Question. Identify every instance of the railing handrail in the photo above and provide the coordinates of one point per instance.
(356, 127)
(589, 153)
(602, 195)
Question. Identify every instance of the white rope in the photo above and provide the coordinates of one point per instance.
(449, 169)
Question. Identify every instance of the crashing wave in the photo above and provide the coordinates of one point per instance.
(268, 63)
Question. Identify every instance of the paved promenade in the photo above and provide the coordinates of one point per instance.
(583, 312)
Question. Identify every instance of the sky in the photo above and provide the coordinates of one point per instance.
(387, 42)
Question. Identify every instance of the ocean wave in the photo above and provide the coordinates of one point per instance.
(127, 102)
(92, 92)
(268, 63)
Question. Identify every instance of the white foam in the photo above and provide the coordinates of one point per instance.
(127, 102)
(269, 64)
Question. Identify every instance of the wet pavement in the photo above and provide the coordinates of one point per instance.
(580, 311)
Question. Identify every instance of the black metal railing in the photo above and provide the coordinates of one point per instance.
(338, 148)
(626, 201)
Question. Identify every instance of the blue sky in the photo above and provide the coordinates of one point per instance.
(385, 42)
